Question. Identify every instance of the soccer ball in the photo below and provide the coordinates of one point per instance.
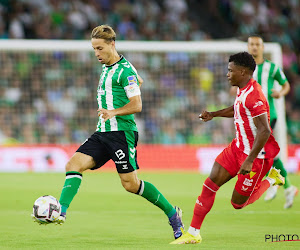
(46, 209)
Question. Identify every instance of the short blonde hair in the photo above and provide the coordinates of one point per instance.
(104, 32)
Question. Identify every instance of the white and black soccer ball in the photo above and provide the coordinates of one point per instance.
(46, 209)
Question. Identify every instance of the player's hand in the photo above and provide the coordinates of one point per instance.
(275, 94)
(246, 167)
(205, 116)
(106, 114)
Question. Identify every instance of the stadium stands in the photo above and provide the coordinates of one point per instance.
(23, 98)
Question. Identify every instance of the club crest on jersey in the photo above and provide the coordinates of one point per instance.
(131, 80)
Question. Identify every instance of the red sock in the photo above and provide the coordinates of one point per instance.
(204, 202)
(264, 185)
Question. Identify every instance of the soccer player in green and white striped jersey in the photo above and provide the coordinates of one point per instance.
(266, 74)
(116, 136)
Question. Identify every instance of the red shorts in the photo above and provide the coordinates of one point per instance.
(232, 158)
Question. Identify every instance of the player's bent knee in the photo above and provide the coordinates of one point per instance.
(72, 167)
(237, 206)
(130, 187)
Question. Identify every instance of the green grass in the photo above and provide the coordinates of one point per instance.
(104, 216)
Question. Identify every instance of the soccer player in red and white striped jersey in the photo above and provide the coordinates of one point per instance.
(249, 156)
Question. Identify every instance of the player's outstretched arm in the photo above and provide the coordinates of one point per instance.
(134, 106)
(207, 116)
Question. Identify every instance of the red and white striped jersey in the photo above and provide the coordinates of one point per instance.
(249, 103)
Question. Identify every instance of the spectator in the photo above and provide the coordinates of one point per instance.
(177, 85)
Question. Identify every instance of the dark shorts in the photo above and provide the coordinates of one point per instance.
(120, 146)
(273, 123)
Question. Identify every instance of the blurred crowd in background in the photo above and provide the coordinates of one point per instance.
(50, 97)
(34, 87)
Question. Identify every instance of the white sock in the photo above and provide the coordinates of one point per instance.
(288, 189)
(271, 181)
(194, 231)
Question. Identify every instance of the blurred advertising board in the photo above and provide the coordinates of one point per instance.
(52, 158)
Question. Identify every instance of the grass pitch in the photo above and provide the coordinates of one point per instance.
(104, 216)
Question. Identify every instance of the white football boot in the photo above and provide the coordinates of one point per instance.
(290, 194)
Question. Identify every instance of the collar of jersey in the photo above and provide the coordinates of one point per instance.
(265, 60)
(121, 58)
(248, 84)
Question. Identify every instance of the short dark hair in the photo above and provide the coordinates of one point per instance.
(256, 35)
(243, 59)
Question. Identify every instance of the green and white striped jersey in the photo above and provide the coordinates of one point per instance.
(118, 82)
(266, 74)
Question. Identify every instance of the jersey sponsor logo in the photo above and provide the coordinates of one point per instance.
(257, 104)
(131, 80)
(132, 150)
(124, 167)
(120, 162)
(244, 188)
(120, 154)
(248, 182)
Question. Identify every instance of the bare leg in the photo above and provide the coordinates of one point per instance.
(130, 181)
(219, 175)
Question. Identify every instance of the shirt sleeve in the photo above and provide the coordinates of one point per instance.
(280, 76)
(257, 104)
(129, 81)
